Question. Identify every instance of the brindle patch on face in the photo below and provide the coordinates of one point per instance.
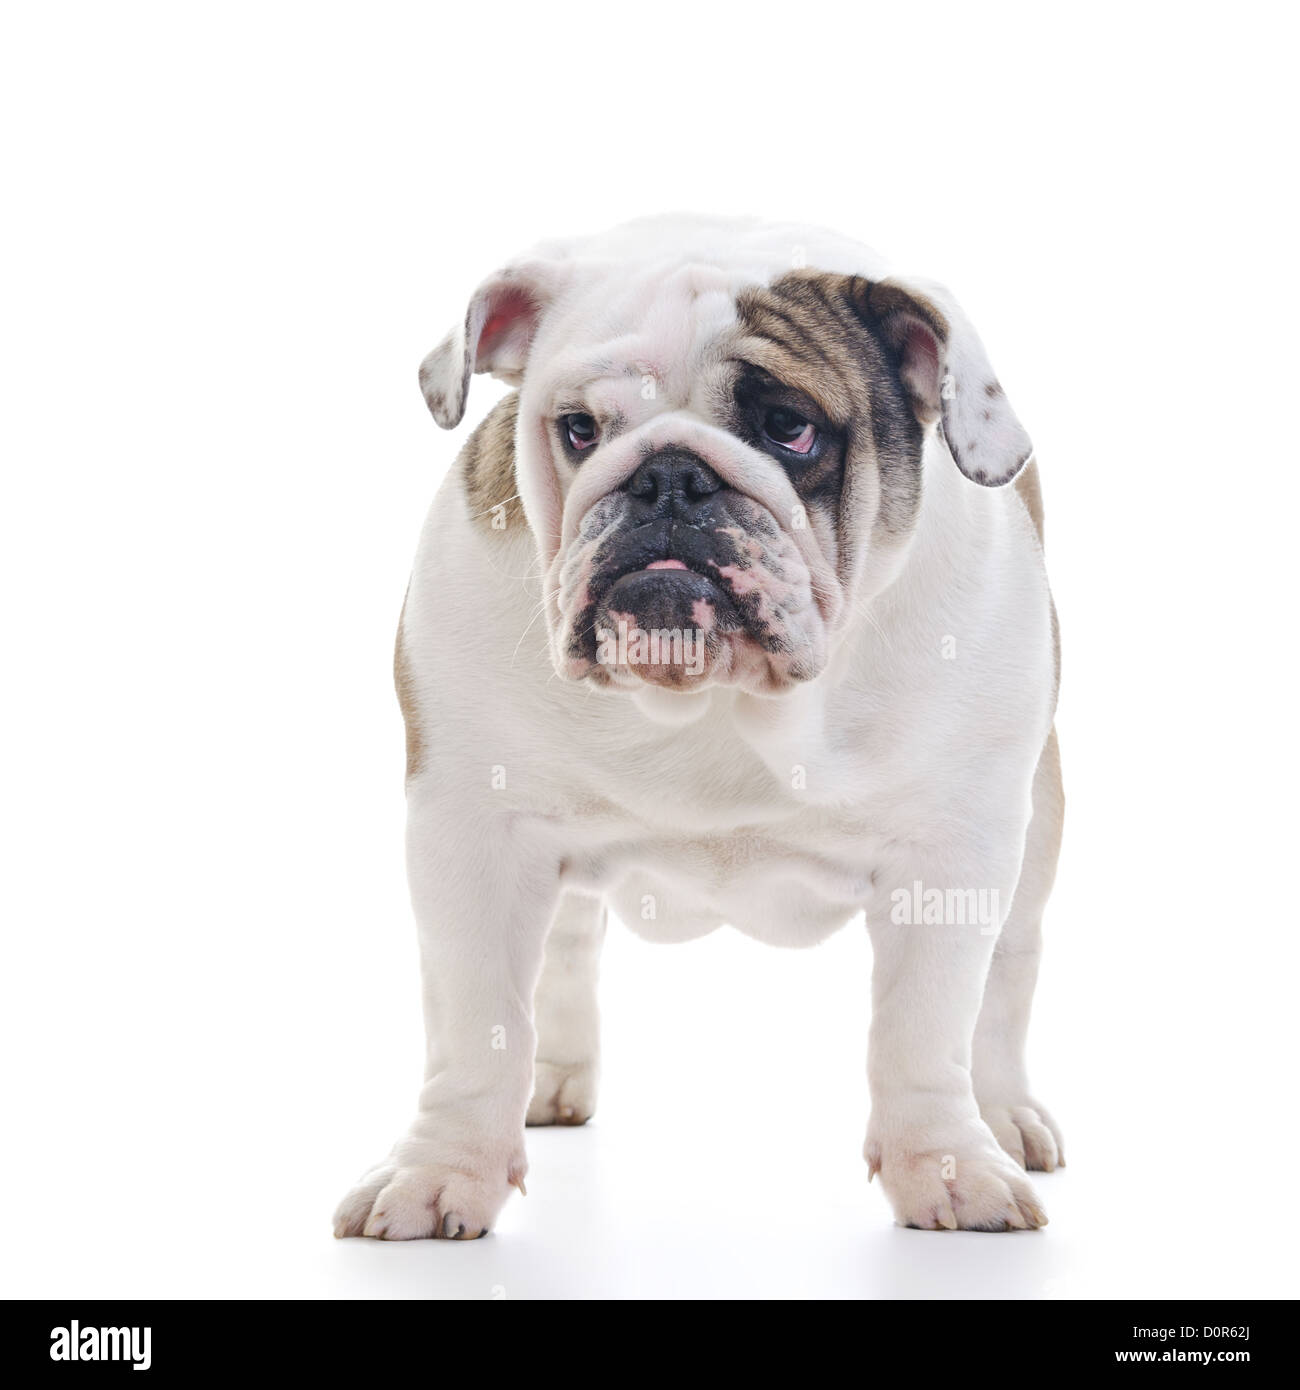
(813, 333)
(487, 467)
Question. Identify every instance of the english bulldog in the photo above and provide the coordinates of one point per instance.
(726, 615)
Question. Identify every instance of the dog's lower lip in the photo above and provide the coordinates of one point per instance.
(666, 565)
(633, 590)
(673, 574)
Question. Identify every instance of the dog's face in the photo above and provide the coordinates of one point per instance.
(720, 456)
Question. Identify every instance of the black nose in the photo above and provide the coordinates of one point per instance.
(672, 482)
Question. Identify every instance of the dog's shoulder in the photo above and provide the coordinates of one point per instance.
(487, 468)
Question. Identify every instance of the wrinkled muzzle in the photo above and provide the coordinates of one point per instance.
(682, 564)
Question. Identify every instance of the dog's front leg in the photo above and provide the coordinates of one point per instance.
(939, 1163)
(483, 894)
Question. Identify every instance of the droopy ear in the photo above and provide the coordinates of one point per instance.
(495, 337)
(946, 372)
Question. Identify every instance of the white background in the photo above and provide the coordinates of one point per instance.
(231, 233)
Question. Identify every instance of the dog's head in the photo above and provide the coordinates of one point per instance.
(719, 441)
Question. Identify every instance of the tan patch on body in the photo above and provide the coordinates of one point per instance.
(1049, 797)
(487, 467)
(1029, 487)
(405, 683)
(1043, 840)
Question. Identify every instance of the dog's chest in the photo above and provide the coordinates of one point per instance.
(771, 889)
(787, 880)
(780, 840)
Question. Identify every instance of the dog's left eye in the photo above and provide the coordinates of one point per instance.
(790, 430)
(580, 430)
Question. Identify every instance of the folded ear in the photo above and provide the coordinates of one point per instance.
(495, 337)
(946, 372)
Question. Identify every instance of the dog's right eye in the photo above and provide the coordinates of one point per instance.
(790, 430)
(580, 430)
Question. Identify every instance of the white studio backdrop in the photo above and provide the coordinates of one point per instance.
(231, 235)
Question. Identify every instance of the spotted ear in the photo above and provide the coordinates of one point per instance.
(946, 373)
(495, 337)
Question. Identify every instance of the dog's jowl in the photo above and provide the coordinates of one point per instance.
(735, 605)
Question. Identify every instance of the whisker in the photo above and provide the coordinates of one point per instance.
(541, 608)
(477, 516)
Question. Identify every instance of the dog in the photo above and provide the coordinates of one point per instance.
(733, 611)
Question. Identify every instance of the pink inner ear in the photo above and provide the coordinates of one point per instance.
(920, 364)
(510, 312)
(920, 350)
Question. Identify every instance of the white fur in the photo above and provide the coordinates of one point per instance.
(782, 815)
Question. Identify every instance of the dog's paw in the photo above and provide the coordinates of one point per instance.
(971, 1188)
(1026, 1131)
(418, 1200)
(563, 1094)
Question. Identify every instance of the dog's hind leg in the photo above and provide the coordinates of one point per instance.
(1022, 1126)
(567, 1017)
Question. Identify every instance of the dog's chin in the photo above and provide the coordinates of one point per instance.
(678, 633)
(666, 627)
